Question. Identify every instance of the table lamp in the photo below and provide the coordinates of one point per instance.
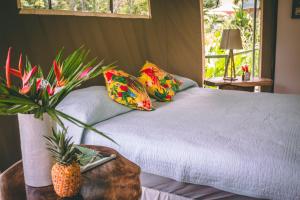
(231, 39)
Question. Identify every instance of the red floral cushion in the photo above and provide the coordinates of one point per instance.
(127, 90)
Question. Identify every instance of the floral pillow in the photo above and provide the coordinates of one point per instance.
(158, 83)
(127, 90)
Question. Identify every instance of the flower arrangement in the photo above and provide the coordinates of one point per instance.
(38, 94)
(246, 73)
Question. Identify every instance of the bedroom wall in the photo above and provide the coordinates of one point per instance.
(268, 41)
(172, 39)
(287, 69)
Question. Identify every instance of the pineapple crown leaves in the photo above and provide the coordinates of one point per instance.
(61, 148)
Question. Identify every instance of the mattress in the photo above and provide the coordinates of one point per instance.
(244, 143)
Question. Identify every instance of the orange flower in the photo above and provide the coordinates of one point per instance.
(26, 76)
(18, 73)
(25, 80)
(25, 89)
(50, 90)
(58, 75)
(9, 70)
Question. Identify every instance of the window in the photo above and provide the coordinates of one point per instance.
(106, 8)
(238, 14)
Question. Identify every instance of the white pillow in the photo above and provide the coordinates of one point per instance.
(186, 82)
(90, 105)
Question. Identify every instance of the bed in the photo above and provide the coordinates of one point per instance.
(240, 142)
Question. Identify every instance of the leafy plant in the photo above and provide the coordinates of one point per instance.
(211, 3)
(38, 94)
(62, 149)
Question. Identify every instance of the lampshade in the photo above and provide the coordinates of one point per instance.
(231, 39)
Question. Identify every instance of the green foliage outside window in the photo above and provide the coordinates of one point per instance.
(214, 25)
(211, 4)
(82, 5)
(134, 7)
(41, 4)
(131, 7)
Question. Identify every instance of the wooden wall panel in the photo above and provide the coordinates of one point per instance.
(172, 39)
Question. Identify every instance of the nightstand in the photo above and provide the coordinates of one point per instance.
(238, 84)
(116, 179)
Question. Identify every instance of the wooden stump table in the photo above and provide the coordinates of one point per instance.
(118, 179)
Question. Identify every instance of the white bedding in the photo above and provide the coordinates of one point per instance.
(245, 143)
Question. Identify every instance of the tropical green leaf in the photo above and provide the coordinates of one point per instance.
(81, 124)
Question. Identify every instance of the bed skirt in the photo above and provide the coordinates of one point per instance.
(161, 188)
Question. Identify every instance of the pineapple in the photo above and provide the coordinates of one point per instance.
(66, 172)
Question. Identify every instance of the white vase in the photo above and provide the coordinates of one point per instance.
(37, 161)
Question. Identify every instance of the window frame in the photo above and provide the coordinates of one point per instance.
(30, 11)
(253, 50)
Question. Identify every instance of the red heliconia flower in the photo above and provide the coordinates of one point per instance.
(38, 84)
(26, 86)
(26, 76)
(120, 94)
(109, 76)
(50, 90)
(57, 70)
(7, 68)
(17, 73)
(20, 66)
(124, 88)
(25, 89)
(42, 84)
(246, 68)
(58, 74)
(85, 72)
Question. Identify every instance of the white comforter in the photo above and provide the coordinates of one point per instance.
(236, 141)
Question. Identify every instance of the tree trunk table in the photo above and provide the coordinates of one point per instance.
(116, 180)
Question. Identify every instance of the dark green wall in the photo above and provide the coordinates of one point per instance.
(269, 41)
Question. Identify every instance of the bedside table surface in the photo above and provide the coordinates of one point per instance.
(116, 179)
(218, 81)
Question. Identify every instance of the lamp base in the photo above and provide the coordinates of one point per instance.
(229, 79)
(232, 75)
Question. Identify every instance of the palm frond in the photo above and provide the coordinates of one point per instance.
(81, 124)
